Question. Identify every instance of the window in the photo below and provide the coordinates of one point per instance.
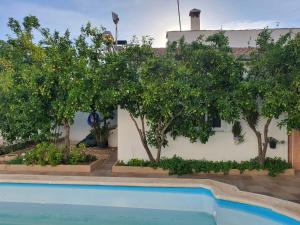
(216, 121)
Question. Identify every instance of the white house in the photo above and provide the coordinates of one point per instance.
(221, 146)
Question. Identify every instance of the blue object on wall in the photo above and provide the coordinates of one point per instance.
(94, 117)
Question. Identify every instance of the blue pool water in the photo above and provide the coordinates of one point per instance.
(50, 214)
(45, 204)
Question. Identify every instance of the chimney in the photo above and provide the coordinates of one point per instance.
(195, 19)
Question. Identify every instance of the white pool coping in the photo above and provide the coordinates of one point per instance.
(220, 190)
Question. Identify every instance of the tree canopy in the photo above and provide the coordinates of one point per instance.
(178, 93)
(23, 105)
(266, 92)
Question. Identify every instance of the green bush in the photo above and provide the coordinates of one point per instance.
(77, 155)
(49, 154)
(177, 165)
(44, 154)
(18, 160)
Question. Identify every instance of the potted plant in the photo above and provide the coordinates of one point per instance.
(103, 136)
(273, 142)
(237, 129)
(101, 133)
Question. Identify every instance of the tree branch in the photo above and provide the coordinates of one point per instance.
(142, 137)
(171, 120)
(266, 129)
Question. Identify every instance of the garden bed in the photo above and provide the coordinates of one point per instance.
(160, 171)
(88, 168)
(139, 170)
(178, 166)
(44, 161)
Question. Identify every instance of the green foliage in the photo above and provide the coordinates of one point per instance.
(237, 129)
(174, 92)
(214, 76)
(17, 161)
(220, 41)
(167, 96)
(237, 132)
(102, 90)
(48, 154)
(64, 81)
(276, 166)
(179, 166)
(24, 111)
(266, 91)
(43, 85)
(291, 79)
(44, 154)
(77, 156)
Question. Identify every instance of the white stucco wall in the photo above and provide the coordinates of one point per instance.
(113, 138)
(219, 147)
(80, 128)
(237, 38)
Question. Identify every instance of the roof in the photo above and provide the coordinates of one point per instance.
(195, 12)
(159, 51)
(239, 30)
(238, 52)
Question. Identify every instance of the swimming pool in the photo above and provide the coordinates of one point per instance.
(45, 204)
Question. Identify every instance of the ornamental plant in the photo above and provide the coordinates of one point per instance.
(127, 65)
(266, 92)
(49, 154)
(168, 95)
(179, 166)
(24, 109)
(64, 80)
(101, 85)
(291, 78)
(172, 94)
(215, 74)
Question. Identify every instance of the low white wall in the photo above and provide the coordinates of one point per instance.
(219, 147)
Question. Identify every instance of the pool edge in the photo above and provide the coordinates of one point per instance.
(220, 190)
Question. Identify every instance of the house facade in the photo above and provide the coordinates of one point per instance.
(220, 146)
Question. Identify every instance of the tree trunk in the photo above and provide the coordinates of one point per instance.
(161, 132)
(262, 146)
(266, 141)
(159, 140)
(67, 138)
(158, 153)
(96, 127)
(259, 146)
(142, 134)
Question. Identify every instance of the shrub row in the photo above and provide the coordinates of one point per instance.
(177, 165)
(49, 154)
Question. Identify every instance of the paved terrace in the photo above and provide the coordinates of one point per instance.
(283, 187)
